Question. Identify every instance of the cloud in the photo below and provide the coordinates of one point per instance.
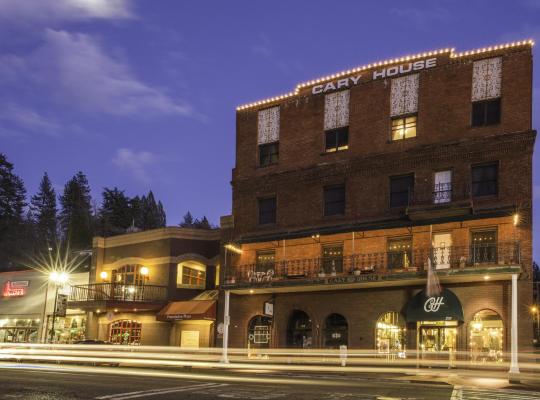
(136, 163)
(32, 10)
(74, 70)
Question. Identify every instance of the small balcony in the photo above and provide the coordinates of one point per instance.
(105, 295)
(379, 266)
(446, 200)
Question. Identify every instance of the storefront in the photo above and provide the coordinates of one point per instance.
(437, 319)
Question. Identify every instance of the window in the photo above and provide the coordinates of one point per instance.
(336, 110)
(334, 200)
(299, 330)
(403, 127)
(404, 95)
(484, 180)
(401, 188)
(336, 331)
(192, 274)
(268, 154)
(193, 277)
(125, 331)
(486, 79)
(337, 139)
(486, 113)
(267, 211)
(391, 333)
(259, 328)
(486, 334)
(128, 275)
(442, 190)
(484, 246)
(266, 260)
(332, 258)
(399, 253)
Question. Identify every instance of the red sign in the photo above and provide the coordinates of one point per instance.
(15, 288)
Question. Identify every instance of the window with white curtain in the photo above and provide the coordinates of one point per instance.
(442, 190)
(404, 95)
(268, 126)
(486, 81)
(336, 110)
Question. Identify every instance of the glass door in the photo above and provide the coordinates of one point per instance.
(438, 342)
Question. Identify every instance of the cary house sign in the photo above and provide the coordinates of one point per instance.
(377, 74)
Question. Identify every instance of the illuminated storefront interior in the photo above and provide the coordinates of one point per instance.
(486, 332)
(19, 330)
(390, 333)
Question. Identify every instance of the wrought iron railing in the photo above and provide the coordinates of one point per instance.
(442, 193)
(118, 292)
(389, 262)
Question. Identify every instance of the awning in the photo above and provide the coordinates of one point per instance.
(188, 310)
(445, 307)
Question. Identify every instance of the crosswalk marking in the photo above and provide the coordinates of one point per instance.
(461, 393)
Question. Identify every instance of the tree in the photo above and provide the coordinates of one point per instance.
(44, 213)
(202, 223)
(12, 203)
(76, 213)
(115, 215)
(152, 214)
(188, 221)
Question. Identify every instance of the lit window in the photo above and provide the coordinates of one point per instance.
(337, 139)
(191, 274)
(332, 258)
(266, 260)
(125, 332)
(399, 253)
(403, 127)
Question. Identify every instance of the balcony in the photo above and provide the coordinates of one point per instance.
(103, 295)
(446, 200)
(409, 264)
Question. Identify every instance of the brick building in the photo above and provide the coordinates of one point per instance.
(156, 287)
(347, 189)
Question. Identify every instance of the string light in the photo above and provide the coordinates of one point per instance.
(413, 57)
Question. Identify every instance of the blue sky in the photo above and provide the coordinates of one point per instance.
(142, 94)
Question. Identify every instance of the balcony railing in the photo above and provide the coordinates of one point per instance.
(380, 263)
(442, 193)
(118, 292)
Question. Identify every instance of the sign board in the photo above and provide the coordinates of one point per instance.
(61, 305)
(189, 339)
(15, 288)
(268, 309)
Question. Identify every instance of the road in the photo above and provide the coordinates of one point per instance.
(60, 382)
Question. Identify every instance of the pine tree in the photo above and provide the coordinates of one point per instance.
(76, 214)
(115, 215)
(152, 216)
(12, 203)
(188, 221)
(202, 223)
(44, 213)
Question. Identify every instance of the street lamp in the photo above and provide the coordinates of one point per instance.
(59, 279)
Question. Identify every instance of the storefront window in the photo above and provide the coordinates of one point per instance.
(299, 330)
(22, 330)
(391, 333)
(68, 329)
(336, 331)
(259, 328)
(125, 331)
(486, 332)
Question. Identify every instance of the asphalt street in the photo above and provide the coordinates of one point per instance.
(40, 382)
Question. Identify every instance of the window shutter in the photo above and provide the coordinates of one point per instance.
(268, 125)
(404, 96)
(486, 82)
(336, 110)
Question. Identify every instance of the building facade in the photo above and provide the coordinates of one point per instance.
(27, 304)
(347, 190)
(155, 287)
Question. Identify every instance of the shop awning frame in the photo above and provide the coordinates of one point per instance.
(444, 307)
(188, 310)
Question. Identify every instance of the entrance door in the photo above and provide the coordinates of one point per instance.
(435, 341)
(442, 244)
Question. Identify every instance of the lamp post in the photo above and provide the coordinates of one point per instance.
(59, 279)
(535, 310)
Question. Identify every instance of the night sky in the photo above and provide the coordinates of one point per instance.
(142, 94)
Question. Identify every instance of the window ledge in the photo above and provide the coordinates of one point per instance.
(327, 153)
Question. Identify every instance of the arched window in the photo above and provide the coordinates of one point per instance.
(129, 275)
(299, 330)
(125, 331)
(336, 331)
(486, 332)
(259, 332)
(390, 333)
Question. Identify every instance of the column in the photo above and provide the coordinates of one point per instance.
(226, 322)
(514, 365)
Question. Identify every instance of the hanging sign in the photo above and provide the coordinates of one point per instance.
(61, 305)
